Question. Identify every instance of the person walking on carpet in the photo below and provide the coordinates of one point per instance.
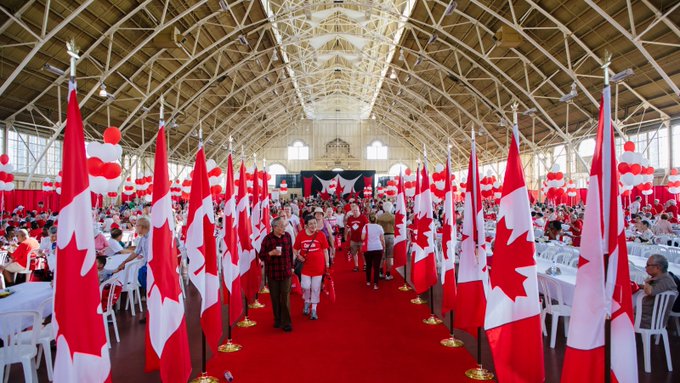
(311, 248)
(374, 238)
(277, 255)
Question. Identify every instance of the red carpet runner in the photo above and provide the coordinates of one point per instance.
(365, 336)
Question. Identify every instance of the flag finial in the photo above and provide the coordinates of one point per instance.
(255, 160)
(162, 108)
(514, 106)
(231, 142)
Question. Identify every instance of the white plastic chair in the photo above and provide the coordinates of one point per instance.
(17, 350)
(662, 240)
(657, 325)
(554, 305)
(108, 311)
(131, 285)
(573, 262)
(27, 271)
(45, 337)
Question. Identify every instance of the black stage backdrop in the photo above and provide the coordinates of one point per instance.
(349, 182)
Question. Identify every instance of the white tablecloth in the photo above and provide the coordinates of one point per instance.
(28, 296)
(114, 261)
(566, 280)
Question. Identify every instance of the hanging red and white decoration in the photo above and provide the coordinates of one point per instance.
(128, 186)
(463, 187)
(391, 189)
(438, 186)
(409, 183)
(634, 170)
(381, 192)
(57, 183)
(555, 183)
(486, 185)
(144, 186)
(497, 190)
(186, 187)
(283, 188)
(674, 182)
(103, 164)
(571, 189)
(214, 178)
(6, 174)
(176, 189)
(47, 185)
(368, 191)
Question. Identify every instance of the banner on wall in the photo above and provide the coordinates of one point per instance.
(346, 182)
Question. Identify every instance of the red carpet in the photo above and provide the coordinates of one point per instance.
(365, 336)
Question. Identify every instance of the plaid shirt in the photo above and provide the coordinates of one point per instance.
(278, 268)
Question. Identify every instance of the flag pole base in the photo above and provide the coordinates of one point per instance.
(479, 373)
(418, 301)
(246, 322)
(205, 378)
(230, 347)
(255, 305)
(432, 320)
(405, 287)
(264, 290)
(451, 342)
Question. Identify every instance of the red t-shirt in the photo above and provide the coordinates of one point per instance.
(20, 255)
(356, 225)
(312, 249)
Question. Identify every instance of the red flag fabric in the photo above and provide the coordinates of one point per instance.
(82, 353)
(248, 264)
(449, 239)
(229, 250)
(423, 270)
(256, 212)
(473, 279)
(201, 250)
(265, 217)
(603, 235)
(513, 307)
(167, 345)
(400, 237)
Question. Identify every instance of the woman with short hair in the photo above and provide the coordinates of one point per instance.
(374, 237)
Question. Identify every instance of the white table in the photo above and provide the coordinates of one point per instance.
(28, 296)
(114, 261)
(566, 280)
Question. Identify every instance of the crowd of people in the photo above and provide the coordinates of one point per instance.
(306, 236)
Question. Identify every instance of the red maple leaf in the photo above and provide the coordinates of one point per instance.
(399, 220)
(164, 263)
(78, 295)
(508, 257)
(423, 226)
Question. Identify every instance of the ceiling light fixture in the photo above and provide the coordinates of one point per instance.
(275, 56)
(418, 60)
(529, 112)
(242, 39)
(102, 91)
(393, 75)
(53, 69)
(571, 95)
(401, 56)
(224, 5)
(450, 8)
(432, 39)
(622, 76)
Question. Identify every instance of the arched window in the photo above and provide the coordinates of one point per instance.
(273, 170)
(397, 169)
(298, 151)
(376, 151)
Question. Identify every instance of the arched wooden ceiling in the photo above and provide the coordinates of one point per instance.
(426, 72)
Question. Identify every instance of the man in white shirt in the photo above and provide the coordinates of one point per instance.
(635, 206)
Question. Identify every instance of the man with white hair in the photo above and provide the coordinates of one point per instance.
(20, 261)
(386, 220)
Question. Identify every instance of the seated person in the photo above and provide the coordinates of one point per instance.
(100, 243)
(116, 246)
(36, 232)
(645, 234)
(659, 282)
(101, 272)
(555, 232)
(19, 256)
(663, 226)
(48, 247)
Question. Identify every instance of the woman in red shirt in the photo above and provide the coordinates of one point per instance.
(311, 248)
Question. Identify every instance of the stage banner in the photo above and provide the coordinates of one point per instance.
(347, 182)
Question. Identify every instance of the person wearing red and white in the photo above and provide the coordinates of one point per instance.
(374, 236)
(19, 255)
(311, 248)
(354, 224)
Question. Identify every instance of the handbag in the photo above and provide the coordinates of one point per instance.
(297, 266)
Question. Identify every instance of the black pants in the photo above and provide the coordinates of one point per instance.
(373, 262)
(279, 291)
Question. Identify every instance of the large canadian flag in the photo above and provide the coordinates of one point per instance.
(513, 308)
(265, 216)
(167, 345)
(248, 263)
(400, 238)
(423, 270)
(82, 352)
(603, 236)
(256, 212)
(231, 273)
(449, 239)
(201, 250)
(473, 277)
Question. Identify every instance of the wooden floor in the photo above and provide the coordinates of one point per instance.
(127, 357)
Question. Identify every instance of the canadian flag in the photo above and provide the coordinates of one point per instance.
(230, 260)
(513, 308)
(248, 264)
(400, 238)
(167, 345)
(423, 270)
(256, 212)
(201, 250)
(449, 238)
(473, 277)
(593, 298)
(82, 353)
(265, 216)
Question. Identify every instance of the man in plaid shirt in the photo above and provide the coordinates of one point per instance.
(277, 254)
